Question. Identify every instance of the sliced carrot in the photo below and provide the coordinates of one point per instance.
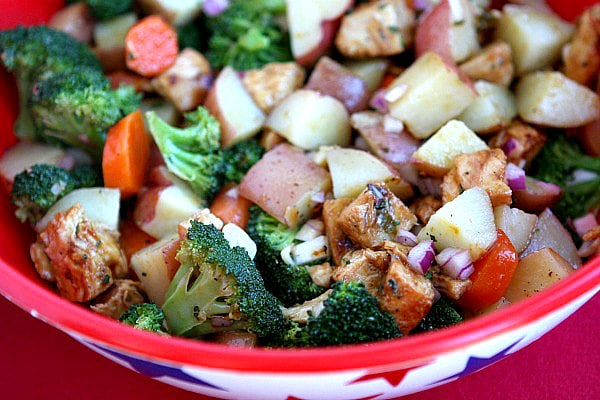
(126, 154)
(151, 46)
(492, 275)
(133, 239)
(231, 207)
(118, 78)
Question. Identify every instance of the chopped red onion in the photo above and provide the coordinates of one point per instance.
(455, 263)
(430, 186)
(421, 256)
(406, 238)
(378, 101)
(212, 8)
(436, 295)
(361, 144)
(583, 225)
(515, 177)
(421, 5)
(318, 197)
(509, 147)
(582, 175)
(392, 125)
(394, 94)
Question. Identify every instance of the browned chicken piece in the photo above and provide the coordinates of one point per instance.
(339, 243)
(269, 139)
(321, 274)
(394, 250)
(484, 168)
(582, 55)
(377, 28)
(301, 312)
(374, 216)
(405, 294)
(449, 287)
(521, 143)
(366, 266)
(235, 338)
(186, 82)
(591, 244)
(425, 207)
(272, 83)
(592, 234)
(119, 298)
(85, 256)
(41, 262)
(493, 64)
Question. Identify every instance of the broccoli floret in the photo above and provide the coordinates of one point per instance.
(292, 284)
(556, 163)
(106, 9)
(145, 316)
(246, 35)
(218, 288)
(190, 35)
(77, 107)
(193, 152)
(36, 189)
(441, 315)
(36, 52)
(238, 159)
(350, 314)
(86, 176)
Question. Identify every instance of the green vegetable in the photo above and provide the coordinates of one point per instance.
(36, 189)
(189, 35)
(291, 284)
(106, 9)
(441, 315)
(556, 164)
(350, 314)
(35, 53)
(238, 159)
(218, 288)
(77, 107)
(145, 316)
(246, 35)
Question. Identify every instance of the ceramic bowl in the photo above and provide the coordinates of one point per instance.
(379, 370)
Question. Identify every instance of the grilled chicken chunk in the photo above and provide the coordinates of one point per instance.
(521, 141)
(272, 83)
(366, 266)
(119, 298)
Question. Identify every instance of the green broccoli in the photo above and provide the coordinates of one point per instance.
(218, 288)
(36, 189)
(86, 176)
(38, 52)
(145, 316)
(556, 163)
(350, 314)
(238, 159)
(441, 315)
(193, 152)
(107, 9)
(291, 284)
(77, 107)
(246, 35)
(190, 36)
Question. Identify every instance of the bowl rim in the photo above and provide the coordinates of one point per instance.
(414, 350)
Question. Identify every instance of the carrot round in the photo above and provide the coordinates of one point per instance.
(133, 238)
(492, 275)
(151, 46)
(126, 154)
(231, 207)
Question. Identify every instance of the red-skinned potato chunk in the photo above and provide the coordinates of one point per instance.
(332, 79)
(74, 20)
(283, 182)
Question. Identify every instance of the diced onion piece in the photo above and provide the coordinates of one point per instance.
(515, 177)
(421, 256)
(306, 252)
(582, 175)
(510, 146)
(392, 125)
(311, 229)
(583, 225)
(394, 94)
(212, 8)
(378, 101)
(406, 238)
(455, 263)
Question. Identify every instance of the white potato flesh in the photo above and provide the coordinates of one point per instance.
(467, 222)
(551, 99)
(111, 33)
(309, 120)
(236, 236)
(517, 224)
(351, 170)
(493, 110)
(100, 204)
(463, 30)
(434, 95)
(536, 272)
(177, 12)
(535, 37)
(152, 269)
(453, 139)
(370, 70)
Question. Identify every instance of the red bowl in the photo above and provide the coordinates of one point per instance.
(217, 370)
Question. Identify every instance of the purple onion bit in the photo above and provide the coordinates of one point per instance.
(212, 8)
(421, 257)
(510, 147)
(515, 177)
(406, 238)
(456, 263)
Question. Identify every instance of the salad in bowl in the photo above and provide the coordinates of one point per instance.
(264, 176)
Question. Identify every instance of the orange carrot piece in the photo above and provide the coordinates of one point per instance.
(151, 46)
(133, 238)
(231, 207)
(493, 273)
(126, 154)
